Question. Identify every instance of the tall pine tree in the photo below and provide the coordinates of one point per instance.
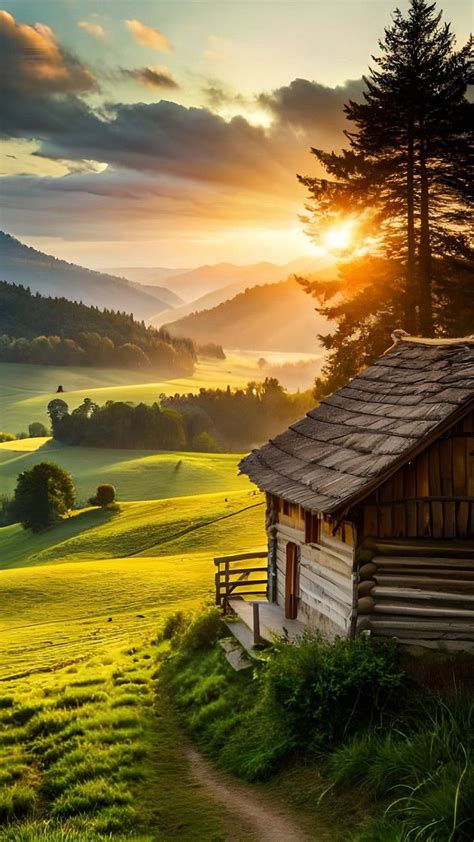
(405, 176)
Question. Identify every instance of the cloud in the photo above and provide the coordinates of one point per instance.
(217, 48)
(152, 77)
(93, 29)
(148, 36)
(311, 106)
(34, 62)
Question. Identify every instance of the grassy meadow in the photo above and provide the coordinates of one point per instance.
(136, 474)
(87, 750)
(25, 390)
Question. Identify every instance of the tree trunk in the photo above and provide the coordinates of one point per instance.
(424, 255)
(411, 281)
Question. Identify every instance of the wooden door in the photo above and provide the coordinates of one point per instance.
(291, 581)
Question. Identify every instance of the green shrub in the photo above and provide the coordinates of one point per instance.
(321, 691)
(203, 632)
(104, 496)
(175, 624)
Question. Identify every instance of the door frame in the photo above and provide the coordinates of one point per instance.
(291, 580)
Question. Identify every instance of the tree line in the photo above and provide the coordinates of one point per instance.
(74, 334)
(404, 181)
(213, 420)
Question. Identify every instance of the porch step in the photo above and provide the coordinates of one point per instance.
(242, 633)
(234, 654)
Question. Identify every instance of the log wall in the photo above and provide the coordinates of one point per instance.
(430, 497)
(421, 592)
(325, 579)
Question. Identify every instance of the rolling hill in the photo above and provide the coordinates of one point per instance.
(43, 273)
(272, 317)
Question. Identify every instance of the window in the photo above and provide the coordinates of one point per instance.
(286, 507)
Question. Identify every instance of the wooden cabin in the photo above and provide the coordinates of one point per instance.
(370, 501)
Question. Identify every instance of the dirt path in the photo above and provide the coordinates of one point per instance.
(253, 811)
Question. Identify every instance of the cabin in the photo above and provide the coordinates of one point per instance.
(370, 508)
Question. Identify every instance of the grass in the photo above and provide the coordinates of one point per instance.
(136, 474)
(102, 578)
(27, 389)
(83, 766)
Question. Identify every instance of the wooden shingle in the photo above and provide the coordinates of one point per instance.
(363, 432)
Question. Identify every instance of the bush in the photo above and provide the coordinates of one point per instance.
(203, 632)
(324, 690)
(175, 625)
(37, 430)
(7, 437)
(105, 495)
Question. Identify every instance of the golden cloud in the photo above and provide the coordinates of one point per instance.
(148, 36)
(93, 29)
(34, 60)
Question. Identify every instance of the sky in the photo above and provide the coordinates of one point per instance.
(151, 133)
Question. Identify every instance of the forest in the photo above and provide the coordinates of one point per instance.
(74, 334)
(214, 420)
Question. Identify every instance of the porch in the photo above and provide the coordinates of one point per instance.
(253, 622)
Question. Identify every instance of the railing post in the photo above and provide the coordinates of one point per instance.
(227, 583)
(217, 580)
(257, 640)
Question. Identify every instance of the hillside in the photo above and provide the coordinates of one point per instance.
(43, 273)
(55, 331)
(205, 302)
(272, 317)
(163, 294)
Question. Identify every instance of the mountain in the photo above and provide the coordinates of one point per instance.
(43, 273)
(145, 275)
(272, 317)
(163, 294)
(196, 283)
(306, 266)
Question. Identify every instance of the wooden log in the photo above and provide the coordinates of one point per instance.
(424, 548)
(406, 594)
(435, 582)
(364, 588)
(422, 611)
(382, 561)
(365, 605)
(367, 571)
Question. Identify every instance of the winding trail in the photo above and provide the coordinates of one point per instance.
(257, 817)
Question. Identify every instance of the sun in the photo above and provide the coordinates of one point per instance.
(338, 237)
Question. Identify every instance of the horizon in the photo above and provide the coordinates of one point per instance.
(208, 174)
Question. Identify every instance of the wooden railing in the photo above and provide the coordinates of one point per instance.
(232, 579)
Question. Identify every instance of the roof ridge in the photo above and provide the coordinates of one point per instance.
(399, 336)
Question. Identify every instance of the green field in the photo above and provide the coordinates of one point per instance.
(136, 474)
(88, 751)
(60, 588)
(25, 390)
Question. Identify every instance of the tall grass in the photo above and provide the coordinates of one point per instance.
(426, 772)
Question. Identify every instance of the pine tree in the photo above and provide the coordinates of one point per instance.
(405, 174)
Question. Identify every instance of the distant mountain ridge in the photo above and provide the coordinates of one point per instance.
(50, 276)
(270, 317)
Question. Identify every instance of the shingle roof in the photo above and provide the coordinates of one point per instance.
(365, 430)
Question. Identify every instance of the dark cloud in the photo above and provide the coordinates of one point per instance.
(32, 61)
(311, 106)
(151, 77)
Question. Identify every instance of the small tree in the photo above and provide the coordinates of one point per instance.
(105, 495)
(37, 429)
(42, 495)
